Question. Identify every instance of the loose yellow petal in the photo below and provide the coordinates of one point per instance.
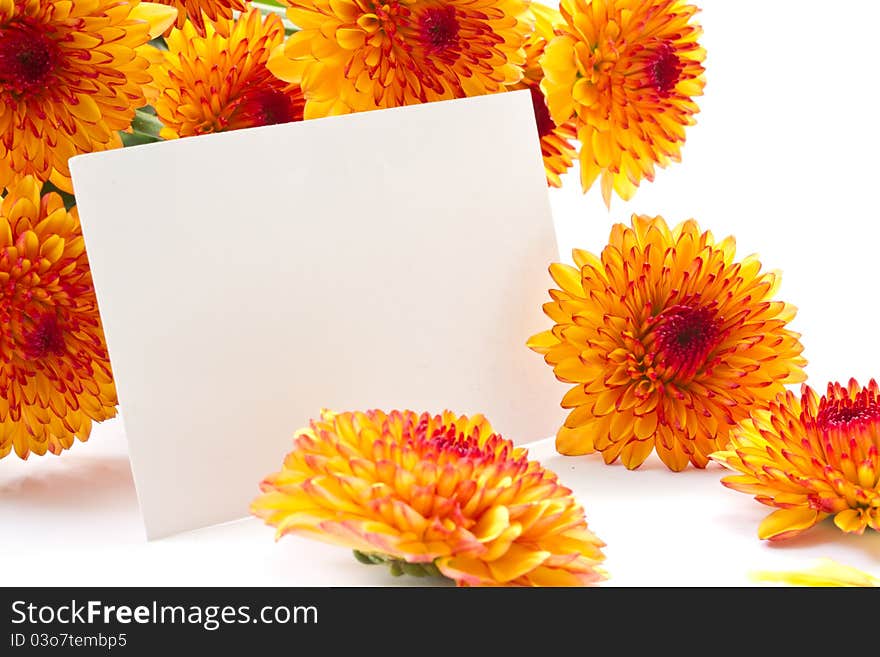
(825, 573)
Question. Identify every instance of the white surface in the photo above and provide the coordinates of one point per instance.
(389, 259)
(783, 157)
(74, 521)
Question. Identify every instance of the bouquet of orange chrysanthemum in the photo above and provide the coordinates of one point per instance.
(79, 76)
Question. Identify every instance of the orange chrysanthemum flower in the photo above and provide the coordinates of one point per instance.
(669, 342)
(220, 81)
(627, 72)
(556, 147)
(437, 493)
(195, 12)
(54, 370)
(811, 457)
(355, 55)
(70, 78)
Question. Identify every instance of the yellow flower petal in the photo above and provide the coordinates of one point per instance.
(516, 562)
(825, 573)
(158, 17)
(784, 523)
(851, 520)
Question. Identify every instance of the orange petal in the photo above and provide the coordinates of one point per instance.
(574, 442)
(491, 524)
(516, 562)
(635, 452)
(852, 521)
(159, 17)
(785, 523)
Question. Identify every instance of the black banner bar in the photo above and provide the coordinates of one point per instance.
(117, 620)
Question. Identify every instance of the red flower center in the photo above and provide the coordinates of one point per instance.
(27, 58)
(664, 69)
(450, 442)
(684, 338)
(438, 29)
(458, 445)
(542, 113)
(843, 413)
(45, 338)
(265, 107)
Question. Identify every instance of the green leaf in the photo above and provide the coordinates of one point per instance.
(137, 139)
(146, 122)
(145, 128)
(399, 567)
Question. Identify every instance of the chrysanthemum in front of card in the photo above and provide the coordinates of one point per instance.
(70, 78)
(55, 373)
(431, 494)
(626, 72)
(669, 342)
(811, 457)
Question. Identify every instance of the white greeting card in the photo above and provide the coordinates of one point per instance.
(390, 259)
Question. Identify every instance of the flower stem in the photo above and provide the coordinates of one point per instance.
(399, 566)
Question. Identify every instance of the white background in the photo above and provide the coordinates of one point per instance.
(783, 156)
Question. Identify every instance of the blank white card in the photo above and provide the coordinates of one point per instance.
(390, 259)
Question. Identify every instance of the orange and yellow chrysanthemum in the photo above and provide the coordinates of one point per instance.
(556, 147)
(812, 457)
(626, 71)
(70, 78)
(355, 55)
(441, 491)
(199, 13)
(669, 342)
(220, 81)
(55, 373)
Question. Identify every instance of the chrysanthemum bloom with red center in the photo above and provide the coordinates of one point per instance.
(627, 72)
(556, 147)
(355, 55)
(220, 81)
(55, 376)
(437, 494)
(670, 342)
(195, 12)
(812, 458)
(70, 78)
